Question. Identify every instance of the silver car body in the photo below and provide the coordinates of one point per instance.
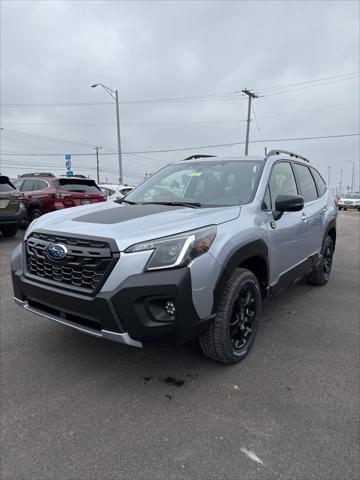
(290, 241)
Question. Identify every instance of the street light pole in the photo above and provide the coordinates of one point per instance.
(115, 96)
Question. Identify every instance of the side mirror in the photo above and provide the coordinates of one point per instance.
(287, 203)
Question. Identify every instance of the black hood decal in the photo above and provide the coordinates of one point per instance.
(124, 213)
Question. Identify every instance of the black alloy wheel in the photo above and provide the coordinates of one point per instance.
(321, 272)
(243, 316)
(327, 260)
(231, 334)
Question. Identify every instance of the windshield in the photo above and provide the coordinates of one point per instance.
(77, 185)
(207, 183)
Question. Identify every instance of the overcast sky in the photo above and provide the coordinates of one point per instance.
(52, 51)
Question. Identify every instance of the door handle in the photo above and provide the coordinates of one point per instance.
(325, 209)
(303, 217)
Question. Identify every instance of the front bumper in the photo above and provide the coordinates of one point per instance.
(349, 205)
(132, 314)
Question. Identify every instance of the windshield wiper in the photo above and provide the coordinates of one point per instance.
(181, 204)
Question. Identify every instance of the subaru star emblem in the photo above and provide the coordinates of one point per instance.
(57, 251)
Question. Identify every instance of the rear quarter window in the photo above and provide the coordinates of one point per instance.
(6, 185)
(40, 185)
(320, 182)
(28, 185)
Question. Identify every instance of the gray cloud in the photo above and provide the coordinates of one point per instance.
(53, 51)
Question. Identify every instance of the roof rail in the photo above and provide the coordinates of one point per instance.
(195, 157)
(74, 176)
(40, 174)
(291, 154)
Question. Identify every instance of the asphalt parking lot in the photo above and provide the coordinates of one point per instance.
(76, 407)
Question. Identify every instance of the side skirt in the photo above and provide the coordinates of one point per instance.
(296, 273)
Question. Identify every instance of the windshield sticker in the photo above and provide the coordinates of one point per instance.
(194, 174)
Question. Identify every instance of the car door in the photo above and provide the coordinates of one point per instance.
(314, 208)
(26, 188)
(42, 193)
(285, 236)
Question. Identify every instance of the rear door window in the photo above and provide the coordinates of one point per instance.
(28, 185)
(320, 182)
(77, 185)
(306, 182)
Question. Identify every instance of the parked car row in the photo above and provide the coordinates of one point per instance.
(31, 195)
(115, 192)
(44, 193)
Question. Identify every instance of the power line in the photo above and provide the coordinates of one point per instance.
(229, 95)
(308, 86)
(181, 149)
(258, 127)
(49, 139)
(200, 122)
(309, 81)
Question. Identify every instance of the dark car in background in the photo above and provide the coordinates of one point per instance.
(12, 209)
(44, 192)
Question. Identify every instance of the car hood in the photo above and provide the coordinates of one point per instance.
(130, 224)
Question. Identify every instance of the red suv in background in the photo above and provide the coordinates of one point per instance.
(44, 193)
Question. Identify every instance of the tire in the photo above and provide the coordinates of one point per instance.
(340, 208)
(228, 339)
(321, 273)
(35, 213)
(345, 209)
(9, 231)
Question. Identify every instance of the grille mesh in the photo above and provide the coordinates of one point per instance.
(84, 268)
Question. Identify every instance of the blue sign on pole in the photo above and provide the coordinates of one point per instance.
(69, 171)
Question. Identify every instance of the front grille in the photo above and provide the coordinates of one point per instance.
(84, 269)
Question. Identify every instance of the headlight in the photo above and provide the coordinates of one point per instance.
(177, 250)
(30, 228)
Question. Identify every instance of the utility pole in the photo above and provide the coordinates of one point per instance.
(121, 180)
(250, 95)
(340, 183)
(97, 163)
(352, 174)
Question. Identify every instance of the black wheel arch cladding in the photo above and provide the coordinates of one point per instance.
(254, 257)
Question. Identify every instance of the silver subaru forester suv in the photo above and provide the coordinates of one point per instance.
(190, 253)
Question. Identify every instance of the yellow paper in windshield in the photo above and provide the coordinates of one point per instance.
(194, 174)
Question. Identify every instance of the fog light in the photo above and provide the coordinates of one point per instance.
(170, 308)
